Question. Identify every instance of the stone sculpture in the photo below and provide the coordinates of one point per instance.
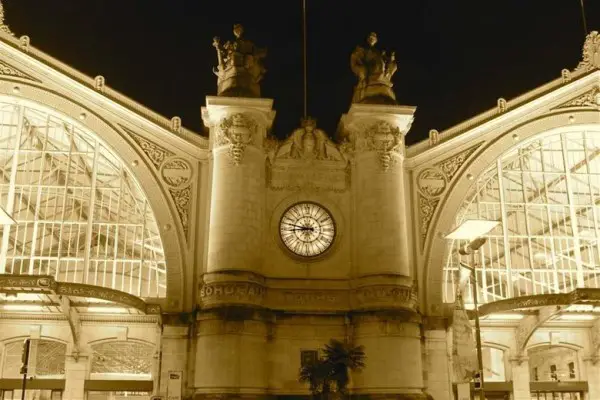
(240, 66)
(374, 69)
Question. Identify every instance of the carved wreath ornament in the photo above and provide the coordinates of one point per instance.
(237, 131)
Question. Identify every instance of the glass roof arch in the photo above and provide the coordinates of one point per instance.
(546, 193)
(81, 215)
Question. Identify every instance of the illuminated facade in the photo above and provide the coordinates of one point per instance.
(143, 259)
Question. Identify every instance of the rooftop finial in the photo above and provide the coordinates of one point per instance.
(3, 26)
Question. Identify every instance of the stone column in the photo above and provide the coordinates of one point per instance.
(520, 378)
(394, 364)
(238, 128)
(76, 372)
(375, 135)
(231, 340)
(593, 377)
(231, 355)
(438, 382)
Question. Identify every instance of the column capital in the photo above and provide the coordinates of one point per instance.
(368, 128)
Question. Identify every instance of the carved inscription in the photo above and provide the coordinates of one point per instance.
(232, 292)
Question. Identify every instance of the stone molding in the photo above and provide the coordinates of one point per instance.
(9, 70)
(591, 98)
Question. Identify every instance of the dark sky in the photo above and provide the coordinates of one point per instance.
(456, 57)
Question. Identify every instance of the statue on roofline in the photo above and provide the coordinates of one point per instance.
(374, 69)
(240, 66)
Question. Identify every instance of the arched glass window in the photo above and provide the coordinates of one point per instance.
(46, 359)
(546, 192)
(553, 363)
(80, 214)
(493, 364)
(122, 360)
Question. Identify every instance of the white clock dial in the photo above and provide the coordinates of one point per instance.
(307, 229)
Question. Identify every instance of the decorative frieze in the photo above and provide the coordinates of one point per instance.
(236, 131)
(182, 199)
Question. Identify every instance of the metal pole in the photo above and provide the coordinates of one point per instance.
(477, 329)
(25, 364)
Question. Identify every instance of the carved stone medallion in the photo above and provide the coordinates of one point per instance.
(431, 182)
(176, 172)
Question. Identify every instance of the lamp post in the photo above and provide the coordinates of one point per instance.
(473, 231)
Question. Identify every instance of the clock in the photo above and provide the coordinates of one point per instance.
(307, 229)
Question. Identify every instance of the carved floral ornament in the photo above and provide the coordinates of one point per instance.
(175, 172)
(433, 182)
(236, 131)
(591, 52)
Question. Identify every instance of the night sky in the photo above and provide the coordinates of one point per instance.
(455, 57)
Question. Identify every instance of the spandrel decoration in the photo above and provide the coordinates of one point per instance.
(240, 68)
(374, 69)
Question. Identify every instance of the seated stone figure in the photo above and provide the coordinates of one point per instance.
(240, 68)
(374, 70)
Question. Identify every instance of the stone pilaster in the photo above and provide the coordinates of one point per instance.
(438, 382)
(593, 377)
(76, 372)
(374, 137)
(174, 355)
(520, 378)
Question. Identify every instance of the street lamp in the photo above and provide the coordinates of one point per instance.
(473, 231)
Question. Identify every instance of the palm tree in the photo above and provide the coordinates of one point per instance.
(343, 358)
(333, 370)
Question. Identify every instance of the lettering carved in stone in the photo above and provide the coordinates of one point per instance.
(236, 131)
(232, 293)
(392, 296)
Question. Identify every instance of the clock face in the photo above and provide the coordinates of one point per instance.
(307, 229)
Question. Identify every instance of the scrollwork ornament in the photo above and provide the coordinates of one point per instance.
(236, 131)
